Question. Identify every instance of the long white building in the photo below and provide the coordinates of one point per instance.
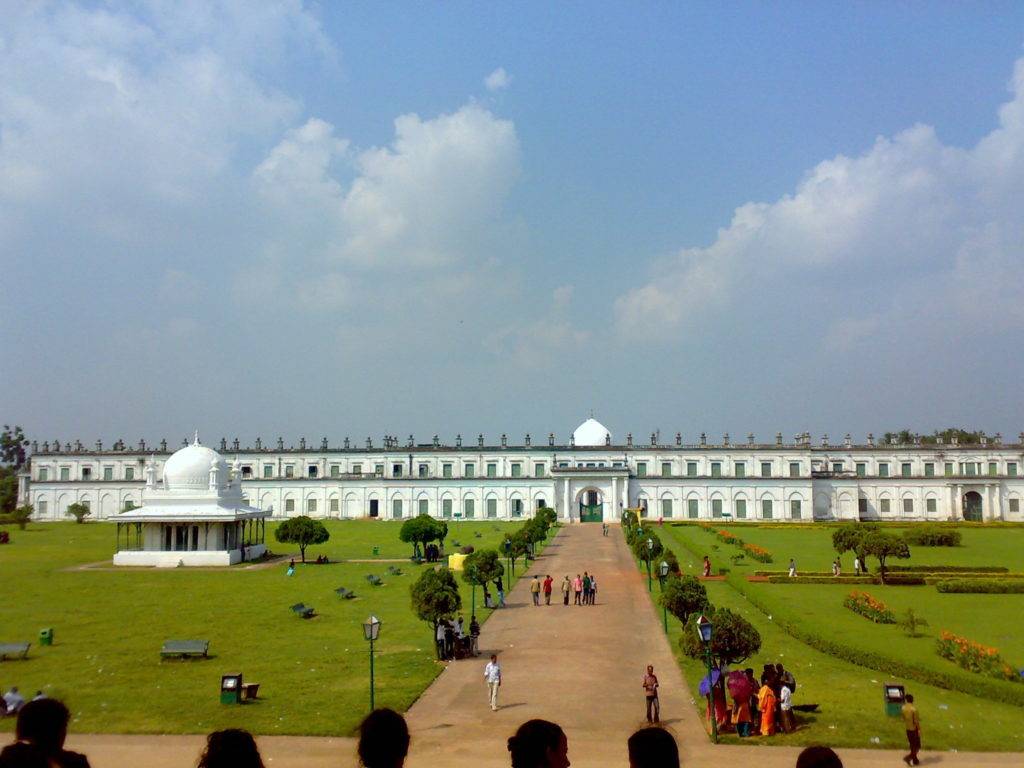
(593, 477)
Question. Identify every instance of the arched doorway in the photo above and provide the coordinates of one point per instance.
(591, 506)
(972, 506)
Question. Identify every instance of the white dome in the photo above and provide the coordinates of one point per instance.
(189, 468)
(591, 433)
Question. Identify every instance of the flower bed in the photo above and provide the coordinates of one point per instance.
(974, 657)
(760, 554)
(728, 537)
(869, 607)
(982, 586)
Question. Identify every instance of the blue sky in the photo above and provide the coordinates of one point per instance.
(350, 219)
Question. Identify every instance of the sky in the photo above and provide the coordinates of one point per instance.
(352, 219)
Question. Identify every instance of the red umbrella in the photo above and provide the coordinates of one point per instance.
(739, 685)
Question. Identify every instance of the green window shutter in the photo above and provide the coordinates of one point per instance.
(741, 509)
(716, 507)
(517, 470)
(929, 469)
(538, 470)
(470, 470)
(766, 509)
(446, 507)
(905, 468)
(993, 468)
(930, 505)
(766, 469)
(795, 509)
(948, 469)
(885, 505)
(641, 469)
(492, 470)
(862, 469)
(741, 469)
(1011, 468)
(883, 469)
(1015, 505)
(691, 469)
(691, 509)
(396, 507)
(666, 469)
(908, 506)
(467, 508)
(716, 469)
(424, 507)
(794, 469)
(492, 507)
(666, 507)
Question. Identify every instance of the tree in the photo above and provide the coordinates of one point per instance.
(733, 640)
(19, 516)
(518, 545)
(301, 531)
(480, 568)
(548, 514)
(12, 447)
(884, 545)
(435, 597)
(850, 538)
(535, 530)
(641, 548)
(421, 529)
(78, 511)
(685, 596)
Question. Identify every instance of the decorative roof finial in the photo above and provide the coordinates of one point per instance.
(195, 439)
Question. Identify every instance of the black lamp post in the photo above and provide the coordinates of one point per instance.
(508, 556)
(662, 575)
(371, 631)
(704, 629)
(650, 555)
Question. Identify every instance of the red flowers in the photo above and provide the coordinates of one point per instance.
(973, 656)
(869, 607)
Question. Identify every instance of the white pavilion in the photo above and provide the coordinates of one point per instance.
(197, 516)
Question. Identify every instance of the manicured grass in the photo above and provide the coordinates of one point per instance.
(849, 696)
(313, 674)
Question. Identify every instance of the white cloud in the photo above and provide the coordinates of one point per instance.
(865, 245)
(498, 80)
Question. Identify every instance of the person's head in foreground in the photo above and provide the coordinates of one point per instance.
(652, 748)
(44, 723)
(383, 739)
(539, 744)
(818, 757)
(230, 748)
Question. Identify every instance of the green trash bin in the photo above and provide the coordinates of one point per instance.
(231, 689)
(376, 551)
(46, 636)
(895, 696)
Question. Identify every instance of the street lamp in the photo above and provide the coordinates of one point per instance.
(371, 631)
(704, 630)
(662, 575)
(508, 556)
(650, 556)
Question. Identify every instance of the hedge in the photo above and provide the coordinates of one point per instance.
(896, 580)
(957, 681)
(981, 586)
(932, 536)
(946, 568)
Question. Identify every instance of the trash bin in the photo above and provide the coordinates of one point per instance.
(46, 636)
(895, 695)
(231, 689)
(376, 551)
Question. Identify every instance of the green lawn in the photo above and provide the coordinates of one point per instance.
(849, 696)
(110, 624)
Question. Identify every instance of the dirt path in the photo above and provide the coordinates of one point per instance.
(578, 666)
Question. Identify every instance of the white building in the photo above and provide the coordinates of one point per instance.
(198, 515)
(593, 476)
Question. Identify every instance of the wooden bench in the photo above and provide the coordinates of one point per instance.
(374, 579)
(185, 648)
(302, 610)
(344, 593)
(19, 650)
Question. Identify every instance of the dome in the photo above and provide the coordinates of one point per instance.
(189, 468)
(591, 433)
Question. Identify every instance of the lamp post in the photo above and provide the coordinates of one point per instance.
(371, 631)
(650, 551)
(704, 630)
(508, 556)
(662, 575)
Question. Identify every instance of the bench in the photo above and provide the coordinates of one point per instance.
(374, 579)
(347, 594)
(14, 649)
(394, 571)
(303, 610)
(185, 648)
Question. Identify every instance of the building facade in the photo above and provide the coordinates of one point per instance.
(593, 477)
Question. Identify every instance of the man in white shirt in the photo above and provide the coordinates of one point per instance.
(786, 705)
(13, 700)
(492, 676)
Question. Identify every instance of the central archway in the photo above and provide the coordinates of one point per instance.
(972, 506)
(591, 505)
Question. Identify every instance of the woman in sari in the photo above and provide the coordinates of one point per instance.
(766, 704)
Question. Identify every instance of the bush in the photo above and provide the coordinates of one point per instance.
(974, 657)
(760, 554)
(734, 640)
(869, 607)
(932, 536)
(783, 579)
(982, 586)
(946, 569)
(467, 550)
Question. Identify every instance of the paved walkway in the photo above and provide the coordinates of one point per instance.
(578, 666)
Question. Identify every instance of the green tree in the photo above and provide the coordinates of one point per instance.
(480, 568)
(883, 546)
(685, 596)
(851, 537)
(435, 597)
(643, 551)
(519, 545)
(301, 531)
(535, 530)
(733, 640)
(19, 516)
(548, 514)
(12, 459)
(78, 511)
(421, 529)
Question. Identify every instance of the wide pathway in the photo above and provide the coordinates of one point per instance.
(579, 666)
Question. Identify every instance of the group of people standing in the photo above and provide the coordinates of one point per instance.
(582, 589)
(768, 710)
(453, 642)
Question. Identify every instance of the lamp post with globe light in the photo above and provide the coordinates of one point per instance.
(371, 631)
(704, 630)
(662, 575)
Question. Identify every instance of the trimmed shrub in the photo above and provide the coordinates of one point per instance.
(982, 586)
(974, 657)
(869, 607)
(932, 536)
(783, 579)
(946, 569)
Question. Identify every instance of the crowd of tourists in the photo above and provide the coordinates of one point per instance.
(457, 641)
(582, 590)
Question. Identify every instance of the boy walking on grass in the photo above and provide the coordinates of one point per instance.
(912, 722)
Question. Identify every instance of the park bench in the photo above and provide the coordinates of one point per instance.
(374, 580)
(14, 649)
(185, 648)
(394, 570)
(347, 594)
(303, 610)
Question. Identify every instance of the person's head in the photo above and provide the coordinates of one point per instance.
(652, 748)
(910, 698)
(749, 671)
(539, 744)
(549, 576)
(650, 669)
(230, 748)
(779, 669)
(383, 739)
(818, 757)
(14, 689)
(43, 723)
(494, 657)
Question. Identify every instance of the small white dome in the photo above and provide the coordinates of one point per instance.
(189, 468)
(591, 433)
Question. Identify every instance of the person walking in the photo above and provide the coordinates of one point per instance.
(577, 588)
(707, 566)
(499, 587)
(492, 676)
(535, 589)
(593, 588)
(856, 565)
(792, 567)
(651, 693)
(786, 709)
(548, 581)
(566, 589)
(912, 722)
(586, 588)
(474, 636)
